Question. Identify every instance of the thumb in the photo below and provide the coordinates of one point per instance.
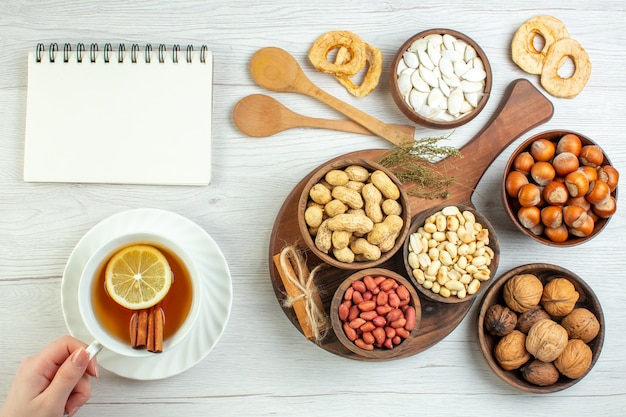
(68, 376)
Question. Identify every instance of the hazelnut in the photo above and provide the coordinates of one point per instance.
(526, 320)
(559, 297)
(575, 359)
(557, 234)
(542, 172)
(500, 320)
(522, 292)
(510, 352)
(546, 340)
(552, 216)
(581, 324)
(529, 195)
(514, 181)
(598, 192)
(569, 143)
(523, 162)
(591, 155)
(564, 163)
(540, 373)
(542, 150)
(610, 175)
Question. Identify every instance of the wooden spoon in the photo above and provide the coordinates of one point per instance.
(275, 69)
(258, 115)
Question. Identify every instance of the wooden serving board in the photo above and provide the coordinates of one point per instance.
(522, 109)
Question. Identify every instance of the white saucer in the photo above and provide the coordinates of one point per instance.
(217, 291)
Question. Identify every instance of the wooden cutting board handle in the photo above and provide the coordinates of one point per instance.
(522, 108)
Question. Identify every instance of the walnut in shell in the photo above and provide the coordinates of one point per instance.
(510, 352)
(526, 320)
(522, 292)
(575, 359)
(546, 340)
(540, 373)
(559, 297)
(500, 320)
(581, 324)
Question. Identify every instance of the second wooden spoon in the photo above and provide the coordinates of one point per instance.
(258, 115)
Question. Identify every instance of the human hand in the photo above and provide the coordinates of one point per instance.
(52, 383)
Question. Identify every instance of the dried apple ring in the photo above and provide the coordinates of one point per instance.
(329, 41)
(524, 53)
(557, 54)
(374, 63)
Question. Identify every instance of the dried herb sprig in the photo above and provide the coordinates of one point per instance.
(415, 163)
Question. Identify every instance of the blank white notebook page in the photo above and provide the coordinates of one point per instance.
(119, 122)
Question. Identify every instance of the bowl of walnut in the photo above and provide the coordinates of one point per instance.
(353, 213)
(560, 188)
(540, 328)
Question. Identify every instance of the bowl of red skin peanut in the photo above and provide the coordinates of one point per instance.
(374, 313)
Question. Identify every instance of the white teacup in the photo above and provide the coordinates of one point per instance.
(91, 276)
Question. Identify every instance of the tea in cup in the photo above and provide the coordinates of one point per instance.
(119, 328)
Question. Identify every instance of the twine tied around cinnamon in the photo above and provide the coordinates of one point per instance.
(295, 272)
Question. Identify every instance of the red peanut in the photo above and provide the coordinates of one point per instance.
(379, 321)
(348, 294)
(354, 312)
(394, 300)
(400, 323)
(368, 326)
(349, 331)
(379, 335)
(382, 310)
(387, 284)
(357, 297)
(344, 310)
(359, 286)
(356, 323)
(368, 305)
(369, 282)
(365, 346)
(368, 338)
(402, 332)
(382, 298)
(403, 293)
(394, 314)
(411, 318)
(369, 315)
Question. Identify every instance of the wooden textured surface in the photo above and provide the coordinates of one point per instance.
(263, 366)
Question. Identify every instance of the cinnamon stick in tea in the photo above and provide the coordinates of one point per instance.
(142, 329)
(146, 329)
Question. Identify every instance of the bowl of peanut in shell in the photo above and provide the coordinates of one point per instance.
(353, 213)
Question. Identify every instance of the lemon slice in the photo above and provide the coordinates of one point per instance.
(138, 277)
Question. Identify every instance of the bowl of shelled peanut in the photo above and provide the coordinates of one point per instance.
(451, 253)
(353, 213)
(560, 188)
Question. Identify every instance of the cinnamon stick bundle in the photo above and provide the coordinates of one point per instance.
(146, 329)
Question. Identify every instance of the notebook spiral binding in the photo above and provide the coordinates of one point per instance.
(53, 50)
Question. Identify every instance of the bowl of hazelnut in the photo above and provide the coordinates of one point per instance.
(353, 213)
(559, 188)
(375, 313)
(440, 78)
(540, 328)
(451, 253)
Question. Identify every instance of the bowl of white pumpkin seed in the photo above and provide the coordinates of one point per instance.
(440, 78)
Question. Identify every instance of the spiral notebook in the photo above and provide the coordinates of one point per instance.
(119, 115)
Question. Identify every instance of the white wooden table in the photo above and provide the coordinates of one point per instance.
(263, 365)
